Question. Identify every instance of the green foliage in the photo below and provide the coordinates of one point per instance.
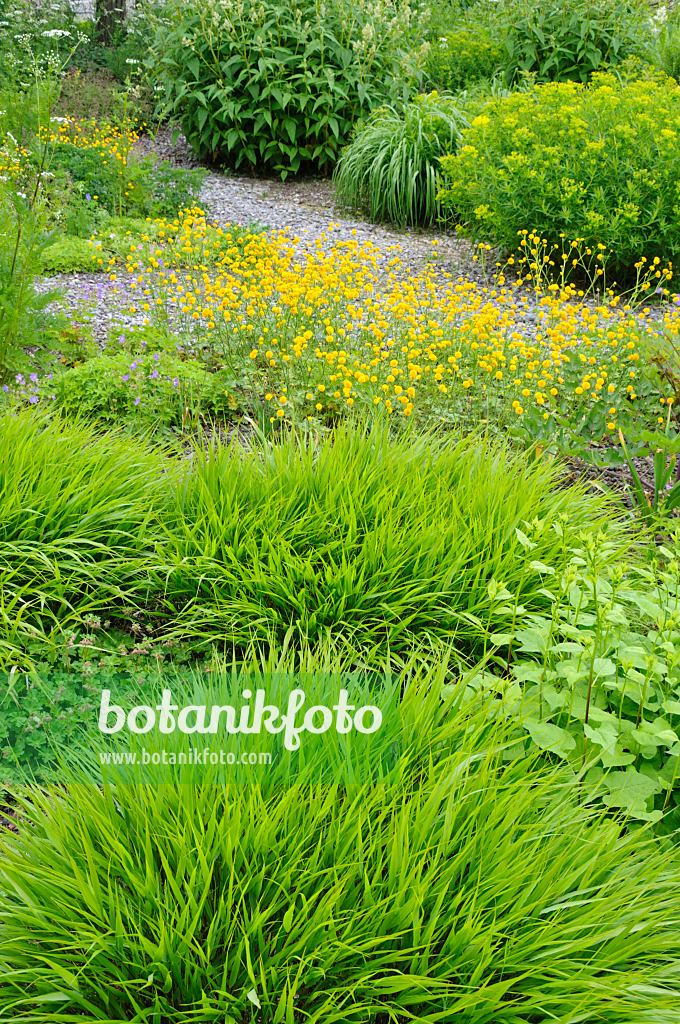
(391, 167)
(570, 39)
(152, 187)
(600, 163)
(275, 87)
(22, 308)
(462, 57)
(596, 680)
(414, 899)
(68, 253)
(154, 391)
(377, 541)
(665, 47)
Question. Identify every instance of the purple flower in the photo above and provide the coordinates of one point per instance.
(126, 376)
(143, 344)
(48, 377)
(34, 377)
(5, 387)
(156, 356)
(33, 399)
(54, 398)
(175, 382)
(19, 379)
(133, 366)
(136, 401)
(88, 196)
(153, 375)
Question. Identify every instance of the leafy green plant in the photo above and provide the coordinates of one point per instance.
(278, 88)
(391, 167)
(669, 46)
(462, 57)
(152, 187)
(597, 163)
(570, 39)
(244, 903)
(665, 496)
(154, 391)
(22, 243)
(595, 679)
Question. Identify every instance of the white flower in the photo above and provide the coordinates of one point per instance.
(60, 120)
(131, 60)
(22, 195)
(55, 33)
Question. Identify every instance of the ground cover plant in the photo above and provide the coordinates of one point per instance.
(595, 162)
(250, 902)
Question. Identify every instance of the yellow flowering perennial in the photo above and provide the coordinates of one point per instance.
(337, 326)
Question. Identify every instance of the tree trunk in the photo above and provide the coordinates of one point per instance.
(110, 14)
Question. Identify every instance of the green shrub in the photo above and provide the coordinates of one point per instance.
(391, 167)
(434, 898)
(278, 87)
(570, 39)
(598, 162)
(462, 57)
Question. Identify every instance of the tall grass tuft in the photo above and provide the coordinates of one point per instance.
(382, 541)
(363, 538)
(470, 889)
(391, 167)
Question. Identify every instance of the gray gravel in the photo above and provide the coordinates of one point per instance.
(306, 209)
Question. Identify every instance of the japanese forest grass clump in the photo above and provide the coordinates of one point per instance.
(379, 540)
(465, 888)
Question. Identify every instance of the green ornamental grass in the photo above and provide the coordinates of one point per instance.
(469, 889)
(391, 166)
(379, 541)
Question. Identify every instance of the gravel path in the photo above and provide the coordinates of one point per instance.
(306, 209)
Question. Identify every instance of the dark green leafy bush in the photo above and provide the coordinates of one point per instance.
(391, 167)
(598, 162)
(276, 87)
(151, 187)
(463, 56)
(569, 39)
